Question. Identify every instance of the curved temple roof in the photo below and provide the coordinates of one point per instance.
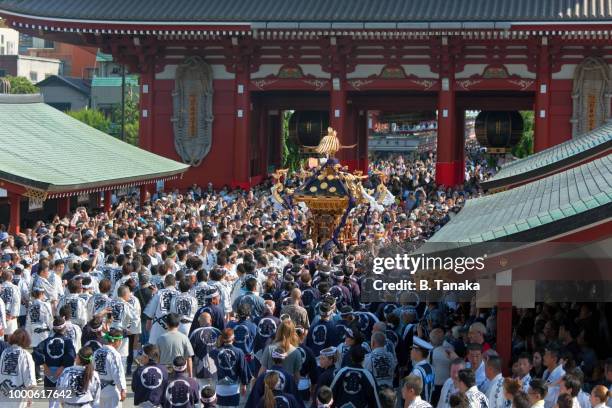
(572, 152)
(562, 202)
(45, 149)
(316, 11)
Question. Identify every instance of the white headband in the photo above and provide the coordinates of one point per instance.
(209, 400)
(321, 405)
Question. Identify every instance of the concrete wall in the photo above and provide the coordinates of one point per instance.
(9, 41)
(36, 69)
(63, 94)
(105, 96)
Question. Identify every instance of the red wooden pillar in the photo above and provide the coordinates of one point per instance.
(447, 126)
(63, 206)
(351, 156)
(362, 138)
(338, 113)
(542, 99)
(275, 130)
(459, 145)
(242, 102)
(15, 213)
(504, 319)
(264, 139)
(108, 200)
(145, 132)
(143, 195)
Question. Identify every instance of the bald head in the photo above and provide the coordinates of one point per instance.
(205, 320)
(296, 295)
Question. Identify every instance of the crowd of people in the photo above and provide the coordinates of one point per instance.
(205, 299)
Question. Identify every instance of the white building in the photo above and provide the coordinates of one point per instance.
(9, 41)
(33, 68)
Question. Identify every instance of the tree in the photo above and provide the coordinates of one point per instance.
(525, 145)
(94, 118)
(21, 85)
(291, 151)
(132, 118)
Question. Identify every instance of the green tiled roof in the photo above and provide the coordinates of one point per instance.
(532, 205)
(43, 148)
(101, 57)
(315, 10)
(114, 81)
(544, 161)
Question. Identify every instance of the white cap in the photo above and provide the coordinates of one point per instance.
(420, 343)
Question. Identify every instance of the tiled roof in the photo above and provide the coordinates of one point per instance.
(79, 84)
(114, 81)
(543, 202)
(101, 57)
(43, 148)
(561, 155)
(315, 10)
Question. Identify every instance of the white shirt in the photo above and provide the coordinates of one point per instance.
(124, 314)
(381, 364)
(74, 375)
(584, 399)
(108, 365)
(481, 377)
(78, 306)
(526, 380)
(448, 389)
(477, 399)
(552, 382)
(495, 393)
(12, 298)
(441, 362)
(17, 367)
(419, 403)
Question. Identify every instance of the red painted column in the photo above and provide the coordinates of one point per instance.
(504, 327)
(445, 163)
(108, 200)
(362, 137)
(542, 99)
(459, 145)
(242, 103)
(338, 113)
(143, 195)
(63, 206)
(145, 131)
(264, 140)
(15, 213)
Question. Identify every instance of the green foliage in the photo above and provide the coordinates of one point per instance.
(112, 125)
(21, 85)
(290, 149)
(93, 118)
(132, 116)
(525, 146)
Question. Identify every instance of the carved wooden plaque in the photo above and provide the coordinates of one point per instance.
(193, 110)
(591, 95)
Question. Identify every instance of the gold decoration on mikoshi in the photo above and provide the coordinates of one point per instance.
(330, 144)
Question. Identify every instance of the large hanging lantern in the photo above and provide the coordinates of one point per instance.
(499, 131)
(307, 127)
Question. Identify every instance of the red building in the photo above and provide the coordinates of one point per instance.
(254, 59)
(79, 62)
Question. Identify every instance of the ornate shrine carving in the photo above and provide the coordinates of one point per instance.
(591, 95)
(193, 111)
